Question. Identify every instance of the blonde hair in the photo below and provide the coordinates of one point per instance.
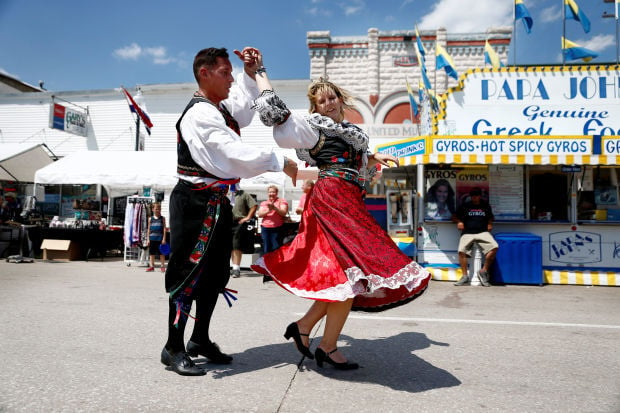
(274, 187)
(322, 85)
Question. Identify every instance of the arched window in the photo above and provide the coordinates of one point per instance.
(399, 113)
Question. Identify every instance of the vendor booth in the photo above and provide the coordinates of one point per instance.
(84, 189)
(18, 164)
(542, 143)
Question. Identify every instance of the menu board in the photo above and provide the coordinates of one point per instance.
(506, 191)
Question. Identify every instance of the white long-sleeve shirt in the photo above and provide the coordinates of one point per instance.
(296, 133)
(220, 150)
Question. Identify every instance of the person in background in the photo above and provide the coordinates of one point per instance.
(440, 200)
(5, 215)
(475, 221)
(243, 211)
(210, 157)
(272, 211)
(307, 188)
(156, 236)
(341, 258)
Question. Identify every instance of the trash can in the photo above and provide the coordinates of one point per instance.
(518, 260)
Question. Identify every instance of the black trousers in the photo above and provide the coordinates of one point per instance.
(187, 213)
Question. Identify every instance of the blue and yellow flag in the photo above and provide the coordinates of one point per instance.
(427, 82)
(412, 102)
(573, 51)
(432, 99)
(419, 44)
(521, 12)
(491, 57)
(443, 60)
(574, 12)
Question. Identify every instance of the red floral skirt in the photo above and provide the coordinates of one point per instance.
(340, 252)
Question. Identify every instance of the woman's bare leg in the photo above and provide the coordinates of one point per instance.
(314, 314)
(337, 314)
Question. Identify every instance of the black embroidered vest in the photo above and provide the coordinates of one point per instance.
(185, 164)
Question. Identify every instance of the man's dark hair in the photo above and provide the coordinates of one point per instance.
(208, 57)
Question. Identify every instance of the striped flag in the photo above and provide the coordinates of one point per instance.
(491, 57)
(521, 12)
(412, 102)
(573, 51)
(427, 82)
(443, 60)
(574, 12)
(135, 108)
(419, 44)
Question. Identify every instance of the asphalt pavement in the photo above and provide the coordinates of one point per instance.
(86, 336)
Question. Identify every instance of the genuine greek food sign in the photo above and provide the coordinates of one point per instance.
(541, 101)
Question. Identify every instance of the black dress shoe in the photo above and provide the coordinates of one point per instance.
(293, 331)
(322, 356)
(210, 351)
(181, 363)
(166, 357)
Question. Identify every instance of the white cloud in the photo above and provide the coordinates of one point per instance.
(318, 11)
(347, 8)
(550, 14)
(353, 7)
(467, 16)
(158, 55)
(599, 42)
(131, 52)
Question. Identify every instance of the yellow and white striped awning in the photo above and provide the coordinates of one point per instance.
(557, 277)
(486, 159)
(506, 150)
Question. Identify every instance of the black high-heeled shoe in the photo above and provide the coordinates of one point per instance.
(322, 356)
(293, 331)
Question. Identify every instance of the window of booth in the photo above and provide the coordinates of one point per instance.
(549, 191)
(597, 194)
(447, 187)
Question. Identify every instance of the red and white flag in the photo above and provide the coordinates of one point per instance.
(134, 107)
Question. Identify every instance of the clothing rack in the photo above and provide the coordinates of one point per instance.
(140, 199)
(135, 253)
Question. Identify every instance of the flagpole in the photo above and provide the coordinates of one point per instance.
(514, 33)
(617, 62)
(137, 132)
(563, 30)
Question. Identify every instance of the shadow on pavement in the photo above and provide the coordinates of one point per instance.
(385, 361)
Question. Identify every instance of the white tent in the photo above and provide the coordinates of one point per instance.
(20, 161)
(121, 173)
(127, 172)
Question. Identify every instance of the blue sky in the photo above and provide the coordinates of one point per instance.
(81, 44)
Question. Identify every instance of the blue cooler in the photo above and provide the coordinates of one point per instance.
(518, 260)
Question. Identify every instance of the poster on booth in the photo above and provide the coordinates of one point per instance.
(468, 179)
(440, 199)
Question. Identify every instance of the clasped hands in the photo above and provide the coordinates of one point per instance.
(252, 59)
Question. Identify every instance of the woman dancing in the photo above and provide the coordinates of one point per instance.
(341, 258)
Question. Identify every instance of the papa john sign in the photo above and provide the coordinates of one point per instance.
(579, 100)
